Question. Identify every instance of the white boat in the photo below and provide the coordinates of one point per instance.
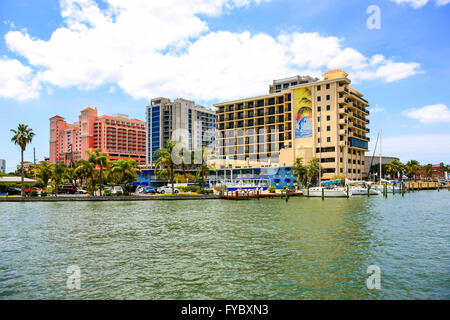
(362, 191)
(336, 192)
(359, 188)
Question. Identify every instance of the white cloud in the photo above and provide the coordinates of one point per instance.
(420, 3)
(430, 114)
(17, 81)
(163, 48)
(426, 148)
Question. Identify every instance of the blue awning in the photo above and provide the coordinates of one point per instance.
(288, 180)
(277, 180)
(330, 183)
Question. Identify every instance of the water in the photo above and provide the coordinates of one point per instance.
(214, 249)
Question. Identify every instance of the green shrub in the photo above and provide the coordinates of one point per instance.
(33, 193)
(50, 190)
(126, 193)
(207, 192)
(272, 189)
(119, 193)
(107, 193)
(43, 194)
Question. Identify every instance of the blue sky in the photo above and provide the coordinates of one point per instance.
(58, 57)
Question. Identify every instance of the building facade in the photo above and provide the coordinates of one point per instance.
(2, 166)
(300, 117)
(180, 120)
(375, 160)
(116, 135)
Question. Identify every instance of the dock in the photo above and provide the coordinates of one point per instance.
(254, 194)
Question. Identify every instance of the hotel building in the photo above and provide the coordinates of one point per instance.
(180, 120)
(300, 117)
(116, 135)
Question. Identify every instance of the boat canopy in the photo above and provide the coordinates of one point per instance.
(327, 183)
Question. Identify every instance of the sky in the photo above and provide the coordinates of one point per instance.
(59, 57)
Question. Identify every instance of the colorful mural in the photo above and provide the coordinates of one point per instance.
(303, 112)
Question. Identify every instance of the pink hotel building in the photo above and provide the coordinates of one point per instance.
(117, 135)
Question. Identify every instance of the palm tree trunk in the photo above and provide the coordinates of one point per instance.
(171, 177)
(22, 175)
(101, 179)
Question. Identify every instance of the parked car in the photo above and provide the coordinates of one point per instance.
(28, 191)
(67, 188)
(13, 191)
(82, 191)
(167, 189)
(114, 189)
(150, 190)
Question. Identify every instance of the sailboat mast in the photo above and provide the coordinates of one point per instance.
(381, 158)
(320, 149)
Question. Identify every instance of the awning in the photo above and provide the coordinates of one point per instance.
(15, 180)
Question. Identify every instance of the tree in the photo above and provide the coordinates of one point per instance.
(98, 159)
(413, 168)
(125, 171)
(428, 170)
(314, 170)
(59, 170)
(204, 168)
(165, 161)
(84, 171)
(22, 137)
(394, 168)
(44, 172)
(301, 171)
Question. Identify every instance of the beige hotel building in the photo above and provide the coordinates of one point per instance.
(300, 117)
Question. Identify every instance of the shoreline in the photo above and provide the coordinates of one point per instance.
(108, 198)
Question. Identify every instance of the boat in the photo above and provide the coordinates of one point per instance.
(361, 188)
(330, 190)
(244, 184)
(392, 186)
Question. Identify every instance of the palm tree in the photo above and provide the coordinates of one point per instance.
(413, 168)
(99, 159)
(125, 171)
(22, 136)
(301, 171)
(165, 161)
(204, 168)
(314, 170)
(393, 168)
(59, 169)
(84, 170)
(428, 170)
(44, 171)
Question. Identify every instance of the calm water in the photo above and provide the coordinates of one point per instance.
(214, 249)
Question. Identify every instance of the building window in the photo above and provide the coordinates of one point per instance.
(328, 97)
(328, 86)
(319, 98)
(318, 88)
(328, 118)
(318, 119)
(319, 109)
(328, 108)
(318, 140)
(328, 128)
(328, 139)
(318, 129)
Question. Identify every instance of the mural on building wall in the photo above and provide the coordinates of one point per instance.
(303, 112)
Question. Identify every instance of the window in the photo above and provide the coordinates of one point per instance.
(328, 139)
(318, 88)
(318, 140)
(319, 98)
(319, 109)
(328, 128)
(318, 119)
(328, 118)
(328, 106)
(328, 86)
(318, 129)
